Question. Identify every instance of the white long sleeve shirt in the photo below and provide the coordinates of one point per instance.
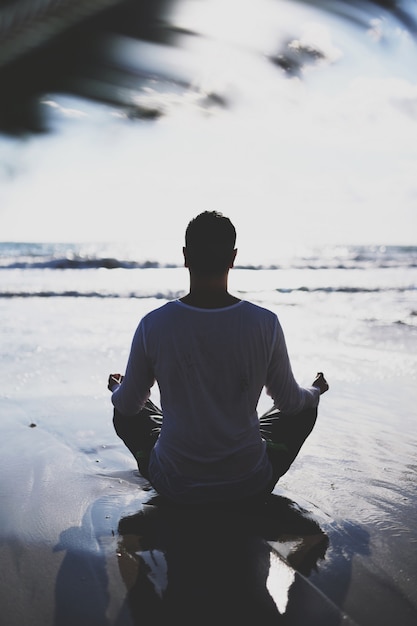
(211, 366)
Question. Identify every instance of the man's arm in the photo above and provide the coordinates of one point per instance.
(281, 386)
(131, 391)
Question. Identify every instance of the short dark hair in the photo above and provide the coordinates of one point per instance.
(210, 241)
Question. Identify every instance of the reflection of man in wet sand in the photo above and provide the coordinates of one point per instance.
(217, 567)
(211, 355)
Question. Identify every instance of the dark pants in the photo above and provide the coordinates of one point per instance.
(284, 435)
(139, 433)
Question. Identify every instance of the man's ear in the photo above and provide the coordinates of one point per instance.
(184, 251)
(232, 261)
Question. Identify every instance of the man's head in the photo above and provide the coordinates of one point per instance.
(210, 243)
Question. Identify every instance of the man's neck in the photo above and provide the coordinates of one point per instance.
(209, 293)
(209, 301)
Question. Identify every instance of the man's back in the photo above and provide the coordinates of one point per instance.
(211, 366)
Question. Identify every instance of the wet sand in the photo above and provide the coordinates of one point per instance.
(80, 542)
(83, 543)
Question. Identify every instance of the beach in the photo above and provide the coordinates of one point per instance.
(68, 485)
(297, 120)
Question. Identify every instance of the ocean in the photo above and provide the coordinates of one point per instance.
(335, 301)
(365, 294)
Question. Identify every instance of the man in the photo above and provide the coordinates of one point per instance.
(211, 355)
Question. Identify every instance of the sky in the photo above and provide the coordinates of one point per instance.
(322, 158)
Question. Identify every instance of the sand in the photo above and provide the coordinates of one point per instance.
(80, 543)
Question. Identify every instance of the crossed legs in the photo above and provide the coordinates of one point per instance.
(284, 435)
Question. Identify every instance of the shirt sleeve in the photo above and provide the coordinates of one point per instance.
(281, 385)
(132, 394)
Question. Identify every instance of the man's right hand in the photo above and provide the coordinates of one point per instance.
(113, 381)
(321, 383)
